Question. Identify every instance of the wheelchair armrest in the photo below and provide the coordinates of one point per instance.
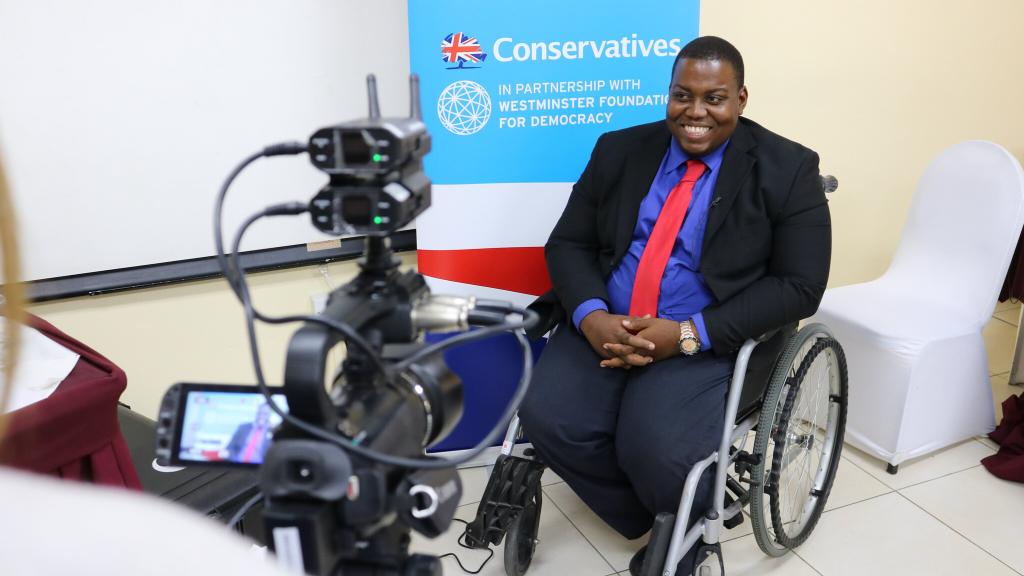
(748, 347)
(744, 355)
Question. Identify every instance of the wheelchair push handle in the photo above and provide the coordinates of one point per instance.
(829, 183)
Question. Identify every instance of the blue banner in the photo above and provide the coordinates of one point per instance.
(515, 94)
(519, 92)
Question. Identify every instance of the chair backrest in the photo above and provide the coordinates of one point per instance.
(964, 222)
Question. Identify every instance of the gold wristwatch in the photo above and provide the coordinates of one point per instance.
(689, 340)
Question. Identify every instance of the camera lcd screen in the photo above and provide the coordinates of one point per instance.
(226, 427)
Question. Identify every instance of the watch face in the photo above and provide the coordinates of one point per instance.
(689, 346)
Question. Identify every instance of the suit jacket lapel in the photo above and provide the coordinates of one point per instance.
(641, 167)
(735, 168)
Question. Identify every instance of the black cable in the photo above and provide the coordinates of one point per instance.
(495, 305)
(426, 463)
(468, 547)
(231, 272)
(242, 289)
(280, 149)
(237, 517)
(484, 318)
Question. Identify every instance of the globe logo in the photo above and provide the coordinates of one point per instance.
(464, 107)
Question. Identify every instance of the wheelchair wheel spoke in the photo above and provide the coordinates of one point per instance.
(806, 408)
(805, 461)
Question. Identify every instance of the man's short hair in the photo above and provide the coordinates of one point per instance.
(713, 48)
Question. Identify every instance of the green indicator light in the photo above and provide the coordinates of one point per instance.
(377, 219)
(376, 157)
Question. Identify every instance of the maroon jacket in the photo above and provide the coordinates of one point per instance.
(74, 433)
(1008, 464)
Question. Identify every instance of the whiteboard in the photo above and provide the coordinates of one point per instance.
(119, 119)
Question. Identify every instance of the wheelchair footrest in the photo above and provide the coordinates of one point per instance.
(657, 546)
(513, 483)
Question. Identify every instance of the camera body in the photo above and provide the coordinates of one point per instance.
(332, 503)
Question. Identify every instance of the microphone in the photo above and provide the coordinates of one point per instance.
(442, 313)
(829, 183)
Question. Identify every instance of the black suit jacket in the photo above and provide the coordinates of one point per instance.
(766, 248)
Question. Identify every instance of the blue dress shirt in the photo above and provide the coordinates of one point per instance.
(684, 294)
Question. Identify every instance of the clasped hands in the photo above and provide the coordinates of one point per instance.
(627, 341)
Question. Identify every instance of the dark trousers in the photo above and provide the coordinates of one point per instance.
(624, 440)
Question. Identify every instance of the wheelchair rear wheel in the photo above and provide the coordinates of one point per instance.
(799, 439)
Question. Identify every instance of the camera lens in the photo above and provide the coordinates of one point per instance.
(440, 389)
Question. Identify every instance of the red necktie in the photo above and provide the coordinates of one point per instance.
(647, 285)
(255, 441)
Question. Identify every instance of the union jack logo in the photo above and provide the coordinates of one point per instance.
(459, 48)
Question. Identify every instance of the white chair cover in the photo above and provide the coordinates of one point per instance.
(919, 378)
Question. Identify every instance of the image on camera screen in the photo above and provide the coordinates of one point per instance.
(228, 426)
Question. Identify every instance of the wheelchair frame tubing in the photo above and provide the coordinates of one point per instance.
(710, 527)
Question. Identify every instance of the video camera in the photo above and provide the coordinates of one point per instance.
(344, 476)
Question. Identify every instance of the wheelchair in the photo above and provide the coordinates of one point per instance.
(797, 416)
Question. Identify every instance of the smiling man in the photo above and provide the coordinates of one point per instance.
(681, 239)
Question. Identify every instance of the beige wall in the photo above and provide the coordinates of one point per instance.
(876, 87)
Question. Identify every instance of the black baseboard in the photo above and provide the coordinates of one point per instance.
(201, 268)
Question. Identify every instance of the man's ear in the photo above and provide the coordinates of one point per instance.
(743, 98)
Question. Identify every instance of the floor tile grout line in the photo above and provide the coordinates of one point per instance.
(979, 440)
(806, 561)
(955, 531)
(865, 470)
(994, 317)
(868, 499)
(978, 465)
(573, 524)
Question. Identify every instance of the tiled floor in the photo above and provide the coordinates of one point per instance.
(941, 515)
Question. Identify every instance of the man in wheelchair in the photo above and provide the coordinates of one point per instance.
(682, 239)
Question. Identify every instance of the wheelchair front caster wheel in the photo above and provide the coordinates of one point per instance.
(521, 539)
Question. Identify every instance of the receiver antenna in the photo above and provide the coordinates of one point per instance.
(371, 92)
(414, 97)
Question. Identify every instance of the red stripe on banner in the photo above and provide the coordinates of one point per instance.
(514, 269)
